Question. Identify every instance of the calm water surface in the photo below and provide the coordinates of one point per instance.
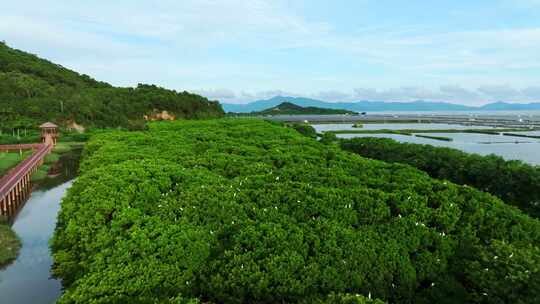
(534, 133)
(508, 147)
(395, 126)
(28, 280)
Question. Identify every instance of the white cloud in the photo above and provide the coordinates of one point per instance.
(445, 93)
(332, 96)
(126, 42)
(194, 23)
(502, 92)
(269, 94)
(171, 43)
(216, 93)
(532, 92)
(397, 94)
(462, 51)
(458, 93)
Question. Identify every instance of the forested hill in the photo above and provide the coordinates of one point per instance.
(288, 108)
(33, 90)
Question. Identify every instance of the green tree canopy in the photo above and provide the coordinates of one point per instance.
(246, 211)
(35, 90)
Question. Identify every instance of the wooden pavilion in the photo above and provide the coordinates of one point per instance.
(49, 133)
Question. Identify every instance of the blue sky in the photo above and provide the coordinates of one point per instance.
(469, 52)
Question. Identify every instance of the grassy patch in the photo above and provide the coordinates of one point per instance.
(521, 135)
(62, 147)
(6, 139)
(9, 160)
(52, 158)
(435, 137)
(483, 132)
(41, 173)
(9, 245)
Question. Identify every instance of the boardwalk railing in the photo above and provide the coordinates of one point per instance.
(20, 147)
(14, 186)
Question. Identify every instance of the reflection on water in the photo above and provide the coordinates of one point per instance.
(508, 147)
(64, 170)
(28, 279)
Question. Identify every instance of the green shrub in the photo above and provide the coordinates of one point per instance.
(51, 158)
(9, 244)
(304, 129)
(41, 173)
(328, 138)
(62, 147)
(8, 160)
(74, 137)
(513, 181)
(12, 140)
(344, 299)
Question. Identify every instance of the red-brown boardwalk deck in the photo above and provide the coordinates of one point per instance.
(15, 185)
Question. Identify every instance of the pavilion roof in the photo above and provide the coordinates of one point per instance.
(48, 125)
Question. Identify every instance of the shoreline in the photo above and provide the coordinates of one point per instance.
(10, 244)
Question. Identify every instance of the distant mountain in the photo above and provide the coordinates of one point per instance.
(288, 108)
(362, 106)
(420, 105)
(261, 105)
(504, 106)
(374, 106)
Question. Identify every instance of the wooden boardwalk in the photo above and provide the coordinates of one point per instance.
(4, 148)
(15, 185)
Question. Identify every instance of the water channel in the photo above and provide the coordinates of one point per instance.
(28, 279)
